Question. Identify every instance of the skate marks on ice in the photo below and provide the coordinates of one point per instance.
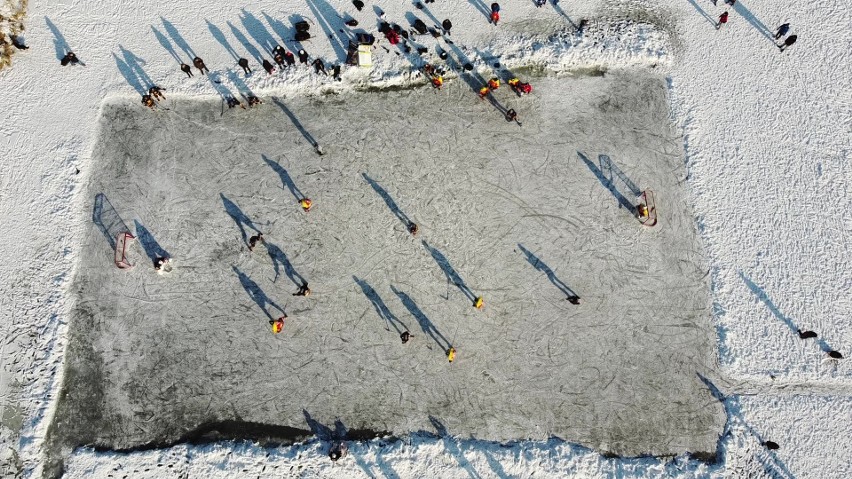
(176, 352)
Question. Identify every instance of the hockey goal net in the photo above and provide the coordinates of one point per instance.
(646, 210)
(122, 241)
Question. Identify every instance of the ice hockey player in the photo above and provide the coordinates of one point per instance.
(319, 67)
(540, 3)
(199, 63)
(306, 204)
(512, 115)
(160, 262)
(254, 239)
(277, 324)
(148, 101)
(243, 63)
(186, 69)
(642, 210)
(157, 92)
(723, 19)
(519, 87)
(438, 81)
(495, 13)
(71, 58)
(253, 100)
(303, 56)
(574, 299)
(413, 228)
(483, 92)
(478, 303)
(232, 102)
(451, 354)
(304, 290)
(494, 83)
(405, 336)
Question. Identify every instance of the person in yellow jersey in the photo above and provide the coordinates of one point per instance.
(478, 302)
(483, 92)
(494, 83)
(451, 354)
(277, 324)
(306, 204)
(438, 81)
(642, 210)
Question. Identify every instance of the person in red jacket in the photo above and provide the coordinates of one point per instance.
(723, 19)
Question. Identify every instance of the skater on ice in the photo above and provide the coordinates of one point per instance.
(304, 290)
(157, 92)
(483, 92)
(277, 324)
(254, 240)
(451, 354)
(405, 336)
(148, 101)
(574, 299)
(162, 264)
(232, 102)
(306, 204)
(479, 302)
(413, 228)
(494, 83)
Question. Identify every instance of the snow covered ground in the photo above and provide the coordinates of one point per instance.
(767, 150)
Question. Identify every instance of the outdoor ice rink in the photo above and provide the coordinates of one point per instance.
(519, 215)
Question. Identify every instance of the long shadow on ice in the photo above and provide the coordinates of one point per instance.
(279, 257)
(425, 324)
(609, 185)
(256, 293)
(238, 216)
(450, 272)
(380, 306)
(296, 122)
(286, 179)
(388, 200)
(538, 264)
(152, 249)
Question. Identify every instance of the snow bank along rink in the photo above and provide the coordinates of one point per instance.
(766, 134)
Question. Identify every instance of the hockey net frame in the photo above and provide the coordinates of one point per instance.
(122, 241)
(646, 202)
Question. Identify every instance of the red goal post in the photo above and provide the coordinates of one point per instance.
(121, 242)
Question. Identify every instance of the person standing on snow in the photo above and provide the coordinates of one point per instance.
(186, 69)
(782, 30)
(495, 13)
(243, 63)
(447, 25)
(199, 63)
(723, 19)
(787, 42)
(319, 67)
(157, 92)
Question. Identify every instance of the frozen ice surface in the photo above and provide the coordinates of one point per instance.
(520, 215)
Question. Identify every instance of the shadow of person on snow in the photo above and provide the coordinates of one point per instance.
(59, 44)
(452, 446)
(177, 38)
(219, 36)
